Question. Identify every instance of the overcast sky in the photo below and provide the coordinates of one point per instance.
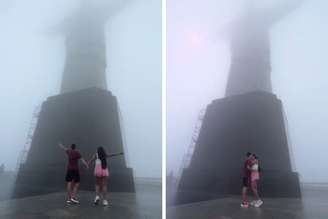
(31, 65)
(198, 66)
(32, 59)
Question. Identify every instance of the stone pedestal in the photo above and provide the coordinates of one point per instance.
(232, 126)
(89, 118)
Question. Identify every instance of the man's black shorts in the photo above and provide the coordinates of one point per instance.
(246, 181)
(72, 176)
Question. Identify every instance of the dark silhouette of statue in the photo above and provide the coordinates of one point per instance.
(250, 47)
(84, 31)
(84, 113)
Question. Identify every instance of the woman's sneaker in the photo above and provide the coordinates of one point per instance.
(75, 201)
(252, 203)
(105, 202)
(244, 205)
(258, 203)
(97, 200)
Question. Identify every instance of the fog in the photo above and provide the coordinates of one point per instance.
(198, 59)
(32, 55)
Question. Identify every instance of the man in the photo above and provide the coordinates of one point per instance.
(73, 174)
(246, 179)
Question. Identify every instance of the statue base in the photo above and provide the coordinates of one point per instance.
(88, 118)
(232, 126)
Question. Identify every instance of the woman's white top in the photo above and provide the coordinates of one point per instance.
(255, 167)
(98, 161)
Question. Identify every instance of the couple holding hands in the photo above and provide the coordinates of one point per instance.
(101, 172)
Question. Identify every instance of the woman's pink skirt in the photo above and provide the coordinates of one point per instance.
(255, 176)
(100, 172)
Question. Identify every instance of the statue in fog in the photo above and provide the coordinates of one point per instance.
(250, 46)
(85, 42)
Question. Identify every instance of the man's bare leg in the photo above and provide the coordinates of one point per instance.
(244, 194)
(69, 190)
(75, 189)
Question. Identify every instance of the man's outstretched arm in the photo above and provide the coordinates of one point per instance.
(62, 147)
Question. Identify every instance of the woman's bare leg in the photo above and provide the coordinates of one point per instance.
(104, 187)
(254, 190)
(97, 186)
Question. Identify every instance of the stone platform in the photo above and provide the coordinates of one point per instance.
(313, 205)
(144, 204)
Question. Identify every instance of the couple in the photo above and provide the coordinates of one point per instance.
(73, 175)
(250, 179)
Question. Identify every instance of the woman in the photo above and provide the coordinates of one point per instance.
(255, 174)
(255, 177)
(101, 173)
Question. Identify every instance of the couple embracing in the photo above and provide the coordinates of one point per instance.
(250, 180)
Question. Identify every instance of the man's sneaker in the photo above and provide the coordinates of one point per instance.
(69, 201)
(244, 205)
(105, 202)
(258, 203)
(97, 200)
(75, 201)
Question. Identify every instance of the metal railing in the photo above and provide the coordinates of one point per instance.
(23, 154)
(188, 155)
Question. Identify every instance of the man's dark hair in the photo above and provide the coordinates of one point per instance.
(248, 154)
(73, 146)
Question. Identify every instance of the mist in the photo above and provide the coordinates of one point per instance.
(198, 60)
(32, 55)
